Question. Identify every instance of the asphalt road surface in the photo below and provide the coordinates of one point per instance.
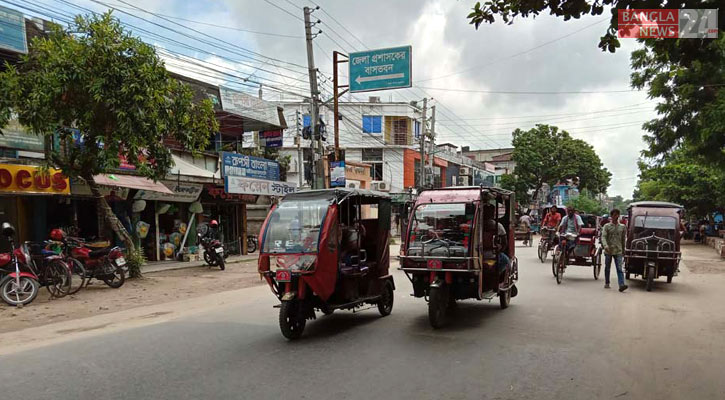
(570, 341)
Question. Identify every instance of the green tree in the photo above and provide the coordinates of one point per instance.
(686, 75)
(545, 154)
(95, 77)
(682, 178)
(510, 182)
(587, 204)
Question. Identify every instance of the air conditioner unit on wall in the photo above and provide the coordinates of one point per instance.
(353, 184)
(464, 171)
(464, 181)
(381, 186)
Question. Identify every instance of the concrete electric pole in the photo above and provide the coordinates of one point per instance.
(432, 137)
(423, 134)
(318, 174)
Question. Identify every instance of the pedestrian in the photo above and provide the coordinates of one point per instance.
(613, 241)
(525, 223)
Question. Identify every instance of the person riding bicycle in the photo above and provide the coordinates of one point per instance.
(571, 224)
(550, 223)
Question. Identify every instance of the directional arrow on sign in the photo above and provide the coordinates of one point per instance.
(361, 79)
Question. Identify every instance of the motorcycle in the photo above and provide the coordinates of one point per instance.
(214, 253)
(106, 264)
(17, 288)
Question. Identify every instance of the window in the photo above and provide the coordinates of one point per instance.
(372, 124)
(416, 128)
(400, 131)
(374, 157)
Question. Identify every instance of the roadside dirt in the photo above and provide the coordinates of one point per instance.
(701, 259)
(154, 288)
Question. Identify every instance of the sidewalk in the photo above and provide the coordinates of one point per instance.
(158, 266)
(701, 259)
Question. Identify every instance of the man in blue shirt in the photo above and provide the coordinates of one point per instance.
(572, 223)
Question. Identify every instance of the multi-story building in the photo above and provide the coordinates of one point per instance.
(502, 158)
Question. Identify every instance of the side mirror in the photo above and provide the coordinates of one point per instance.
(8, 230)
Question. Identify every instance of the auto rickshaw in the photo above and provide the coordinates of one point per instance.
(460, 245)
(586, 252)
(653, 241)
(327, 250)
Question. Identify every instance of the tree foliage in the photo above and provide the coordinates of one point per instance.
(585, 203)
(682, 178)
(545, 154)
(104, 94)
(686, 75)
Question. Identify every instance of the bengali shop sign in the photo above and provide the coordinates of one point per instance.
(239, 165)
(667, 23)
(241, 185)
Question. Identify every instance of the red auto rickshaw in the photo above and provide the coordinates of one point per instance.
(460, 245)
(327, 250)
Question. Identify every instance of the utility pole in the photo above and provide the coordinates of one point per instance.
(257, 134)
(336, 93)
(300, 164)
(432, 136)
(318, 174)
(423, 134)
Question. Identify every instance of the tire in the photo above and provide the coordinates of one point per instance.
(626, 276)
(597, 267)
(116, 280)
(438, 306)
(251, 245)
(560, 269)
(29, 290)
(289, 323)
(327, 310)
(78, 273)
(385, 304)
(58, 278)
(669, 278)
(541, 252)
(650, 278)
(554, 263)
(221, 263)
(209, 259)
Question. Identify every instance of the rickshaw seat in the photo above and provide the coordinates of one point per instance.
(590, 232)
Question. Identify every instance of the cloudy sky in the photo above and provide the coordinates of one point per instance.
(462, 69)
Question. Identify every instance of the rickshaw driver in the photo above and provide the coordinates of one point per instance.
(551, 222)
(489, 224)
(572, 222)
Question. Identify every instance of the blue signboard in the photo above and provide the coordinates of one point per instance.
(337, 174)
(380, 69)
(239, 165)
(12, 30)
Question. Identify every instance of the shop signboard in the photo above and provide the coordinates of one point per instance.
(272, 139)
(215, 193)
(79, 187)
(12, 30)
(234, 184)
(337, 174)
(248, 106)
(242, 166)
(184, 192)
(31, 180)
(16, 136)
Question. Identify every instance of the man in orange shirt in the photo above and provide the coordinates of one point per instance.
(551, 221)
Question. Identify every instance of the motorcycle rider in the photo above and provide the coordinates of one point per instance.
(213, 231)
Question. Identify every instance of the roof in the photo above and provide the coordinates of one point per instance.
(655, 204)
(337, 193)
(457, 194)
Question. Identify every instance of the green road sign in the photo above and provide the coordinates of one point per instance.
(380, 69)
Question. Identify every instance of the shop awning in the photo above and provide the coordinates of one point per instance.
(185, 168)
(132, 182)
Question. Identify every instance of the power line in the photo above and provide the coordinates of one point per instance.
(528, 92)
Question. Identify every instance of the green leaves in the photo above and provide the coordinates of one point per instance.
(113, 88)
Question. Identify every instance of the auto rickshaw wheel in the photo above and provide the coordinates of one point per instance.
(437, 306)
(290, 322)
(650, 278)
(385, 304)
(505, 298)
(669, 278)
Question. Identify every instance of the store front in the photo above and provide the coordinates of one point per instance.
(230, 210)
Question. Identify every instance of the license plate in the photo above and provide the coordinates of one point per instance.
(120, 261)
(283, 275)
(219, 250)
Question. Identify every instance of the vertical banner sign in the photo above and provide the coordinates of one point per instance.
(12, 31)
(337, 174)
(380, 69)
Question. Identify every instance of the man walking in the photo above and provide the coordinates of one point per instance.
(613, 242)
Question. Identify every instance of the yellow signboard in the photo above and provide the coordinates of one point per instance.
(29, 179)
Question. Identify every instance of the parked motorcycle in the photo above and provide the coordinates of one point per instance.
(17, 288)
(214, 253)
(107, 264)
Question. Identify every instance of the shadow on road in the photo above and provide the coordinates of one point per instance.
(341, 321)
(466, 315)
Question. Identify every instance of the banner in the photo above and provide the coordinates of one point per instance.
(12, 30)
(79, 187)
(30, 179)
(16, 136)
(337, 174)
(238, 165)
(248, 106)
(271, 139)
(183, 192)
(233, 184)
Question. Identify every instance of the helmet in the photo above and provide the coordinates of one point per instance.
(213, 223)
(57, 234)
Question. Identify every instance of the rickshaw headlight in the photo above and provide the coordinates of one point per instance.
(294, 262)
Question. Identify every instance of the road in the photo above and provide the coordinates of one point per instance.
(576, 340)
